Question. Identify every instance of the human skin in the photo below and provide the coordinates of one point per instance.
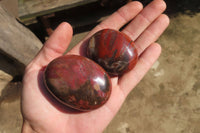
(42, 114)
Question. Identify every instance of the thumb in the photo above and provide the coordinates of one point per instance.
(55, 46)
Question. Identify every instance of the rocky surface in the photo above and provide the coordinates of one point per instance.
(10, 115)
(4, 80)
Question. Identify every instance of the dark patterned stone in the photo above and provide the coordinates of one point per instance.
(113, 50)
(77, 82)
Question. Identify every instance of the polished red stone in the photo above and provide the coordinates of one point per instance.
(77, 82)
(113, 50)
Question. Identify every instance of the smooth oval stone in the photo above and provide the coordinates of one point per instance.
(77, 82)
(113, 50)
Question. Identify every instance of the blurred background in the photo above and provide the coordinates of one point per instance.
(167, 100)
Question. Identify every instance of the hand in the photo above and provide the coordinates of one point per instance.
(44, 115)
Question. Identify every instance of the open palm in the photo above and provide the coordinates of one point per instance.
(43, 114)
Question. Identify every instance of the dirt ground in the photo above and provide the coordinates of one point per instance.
(165, 101)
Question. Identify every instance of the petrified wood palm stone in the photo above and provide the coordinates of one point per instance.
(77, 82)
(113, 50)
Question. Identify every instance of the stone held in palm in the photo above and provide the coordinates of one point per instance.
(113, 50)
(77, 82)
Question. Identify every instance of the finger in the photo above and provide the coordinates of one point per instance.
(55, 46)
(129, 80)
(144, 18)
(120, 17)
(115, 21)
(152, 33)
